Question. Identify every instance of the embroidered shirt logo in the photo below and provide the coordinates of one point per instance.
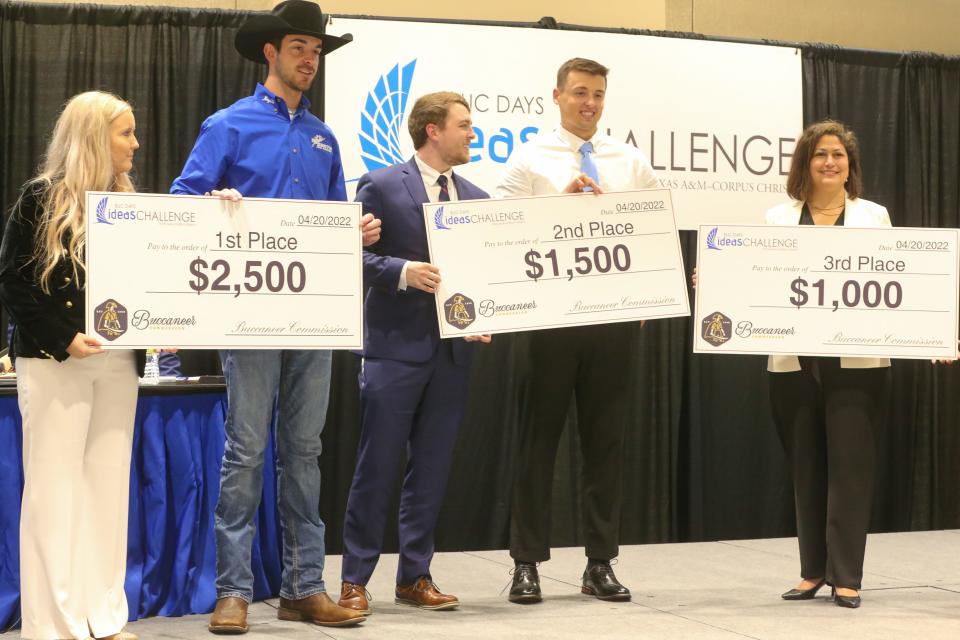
(318, 143)
(267, 100)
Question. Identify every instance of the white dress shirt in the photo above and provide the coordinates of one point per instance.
(549, 162)
(429, 176)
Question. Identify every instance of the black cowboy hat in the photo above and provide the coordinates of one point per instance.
(292, 16)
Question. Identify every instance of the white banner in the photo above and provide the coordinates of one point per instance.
(717, 120)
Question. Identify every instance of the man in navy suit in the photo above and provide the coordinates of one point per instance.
(413, 386)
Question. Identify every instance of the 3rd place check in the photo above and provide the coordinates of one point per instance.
(827, 291)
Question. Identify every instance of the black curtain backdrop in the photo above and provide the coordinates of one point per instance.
(704, 461)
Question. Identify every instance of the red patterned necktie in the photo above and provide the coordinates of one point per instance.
(444, 192)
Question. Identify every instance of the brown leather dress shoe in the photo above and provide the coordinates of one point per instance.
(229, 617)
(424, 594)
(355, 598)
(318, 609)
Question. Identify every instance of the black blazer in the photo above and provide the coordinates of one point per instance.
(44, 324)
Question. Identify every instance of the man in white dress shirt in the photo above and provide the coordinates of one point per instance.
(591, 361)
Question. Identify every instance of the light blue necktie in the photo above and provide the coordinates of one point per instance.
(587, 165)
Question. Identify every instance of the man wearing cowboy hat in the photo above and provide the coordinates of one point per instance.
(269, 145)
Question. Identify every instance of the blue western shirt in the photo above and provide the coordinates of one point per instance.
(255, 147)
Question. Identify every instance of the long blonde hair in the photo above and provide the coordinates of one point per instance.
(78, 159)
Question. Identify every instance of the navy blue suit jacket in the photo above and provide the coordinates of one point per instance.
(401, 325)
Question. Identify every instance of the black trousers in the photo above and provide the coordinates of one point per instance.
(592, 363)
(827, 417)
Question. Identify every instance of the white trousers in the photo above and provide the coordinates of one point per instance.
(77, 439)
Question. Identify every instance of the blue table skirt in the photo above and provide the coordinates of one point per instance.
(174, 481)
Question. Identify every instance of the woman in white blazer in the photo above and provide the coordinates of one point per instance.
(826, 409)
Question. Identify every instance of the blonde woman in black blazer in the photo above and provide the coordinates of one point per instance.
(77, 400)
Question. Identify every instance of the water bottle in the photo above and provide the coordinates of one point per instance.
(151, 371)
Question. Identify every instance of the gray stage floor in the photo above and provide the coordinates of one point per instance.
(722, 590)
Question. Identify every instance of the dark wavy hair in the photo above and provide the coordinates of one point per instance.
(798, 181)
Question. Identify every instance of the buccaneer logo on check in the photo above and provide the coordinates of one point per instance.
(458, 311)
(110, 319)
(715, 328)
(490, 308)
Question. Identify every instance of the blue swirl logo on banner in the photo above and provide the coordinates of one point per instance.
(382, 116)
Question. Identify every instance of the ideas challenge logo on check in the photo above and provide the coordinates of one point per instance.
(102, 211)
(712, 240)
(438, 220)
(444, 220)
(734, 239)
(130, 211)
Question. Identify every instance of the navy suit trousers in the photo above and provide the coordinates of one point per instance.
(412, 408)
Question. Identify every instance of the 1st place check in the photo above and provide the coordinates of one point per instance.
(827, 291)
(520, 264)
(205, 273)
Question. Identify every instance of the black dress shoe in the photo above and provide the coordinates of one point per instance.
(526, 584)
(803, 594)
(849, 602)
(599, 581)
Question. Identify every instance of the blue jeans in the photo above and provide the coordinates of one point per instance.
(300, 381)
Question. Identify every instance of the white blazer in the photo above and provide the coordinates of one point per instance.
(858, 213)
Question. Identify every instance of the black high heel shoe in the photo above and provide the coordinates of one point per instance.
(850, 602)
(803, 594)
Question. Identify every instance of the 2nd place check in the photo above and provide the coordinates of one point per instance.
(827, 291)
(519, 264)
(201, 272)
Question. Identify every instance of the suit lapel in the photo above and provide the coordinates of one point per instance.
(458, 185)
(413, 181)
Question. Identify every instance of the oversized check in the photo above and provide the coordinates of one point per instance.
(518, 264)
(201, 272)
(827, 291)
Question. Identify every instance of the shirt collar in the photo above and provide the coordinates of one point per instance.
(575, 142)
(262, 94)
(428, 173)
